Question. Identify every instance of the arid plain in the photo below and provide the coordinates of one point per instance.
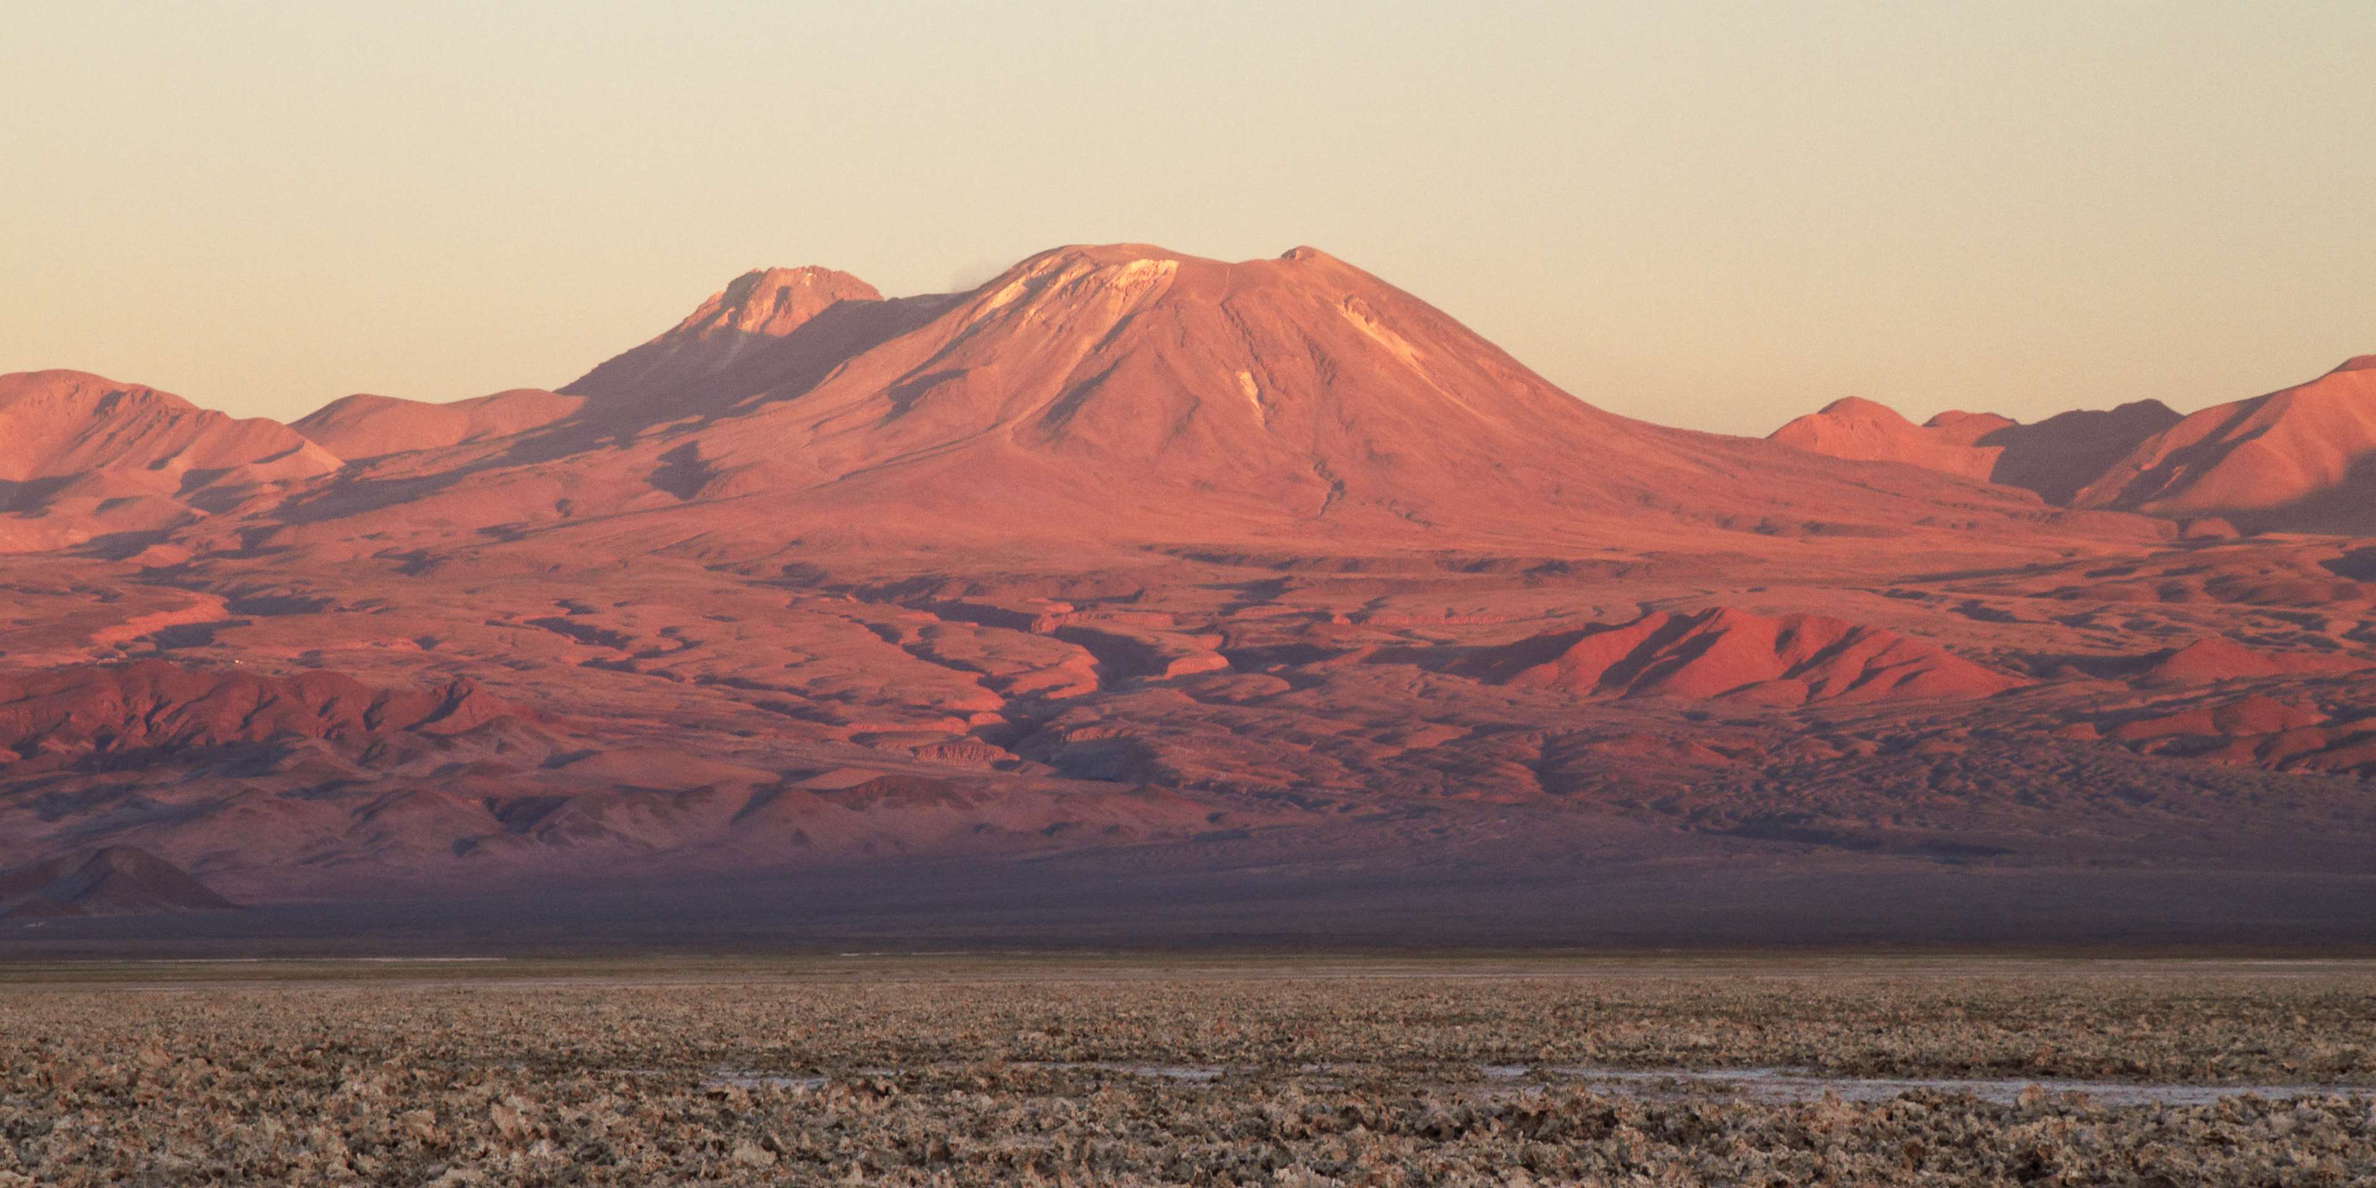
(883, 1069)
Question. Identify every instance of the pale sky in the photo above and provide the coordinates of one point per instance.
(1715, 215)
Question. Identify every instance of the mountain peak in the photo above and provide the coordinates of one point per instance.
(773, 302)
(1141, 268)
(2359, 363)
(1862, 409)
(1105, 253)
(1968, 422)
(756, 314)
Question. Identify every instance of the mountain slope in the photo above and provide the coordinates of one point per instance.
(1213, 577)
(2060, 455)
(81, 455)
(2303, 458)
(60, 715)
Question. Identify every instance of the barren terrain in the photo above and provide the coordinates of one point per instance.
(1124, 1071)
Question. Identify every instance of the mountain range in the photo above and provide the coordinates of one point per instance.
(2301, 459)
(1133, 594)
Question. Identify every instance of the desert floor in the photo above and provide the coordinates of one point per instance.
(1209, 1068)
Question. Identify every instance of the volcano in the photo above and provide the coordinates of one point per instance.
(1116, 393)
(1131, 577)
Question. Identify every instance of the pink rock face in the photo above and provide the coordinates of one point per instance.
(2243, 717)
(1109, 393)
(739, 331)
(2218, 659)
(772, 302)
(73, 711)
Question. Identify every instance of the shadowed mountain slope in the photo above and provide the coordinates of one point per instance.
(1869, 431)
(110, 881)
(770, 329)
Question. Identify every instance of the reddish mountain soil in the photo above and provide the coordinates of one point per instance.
(1101, 396)
(2216, 659)
(1201, 582)
(755, 334)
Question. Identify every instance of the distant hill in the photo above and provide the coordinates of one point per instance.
(82, 456)
(109, 881)
(2054, 457)
(2301, 459)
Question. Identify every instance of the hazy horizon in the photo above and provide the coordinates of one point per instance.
(1718, 217)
